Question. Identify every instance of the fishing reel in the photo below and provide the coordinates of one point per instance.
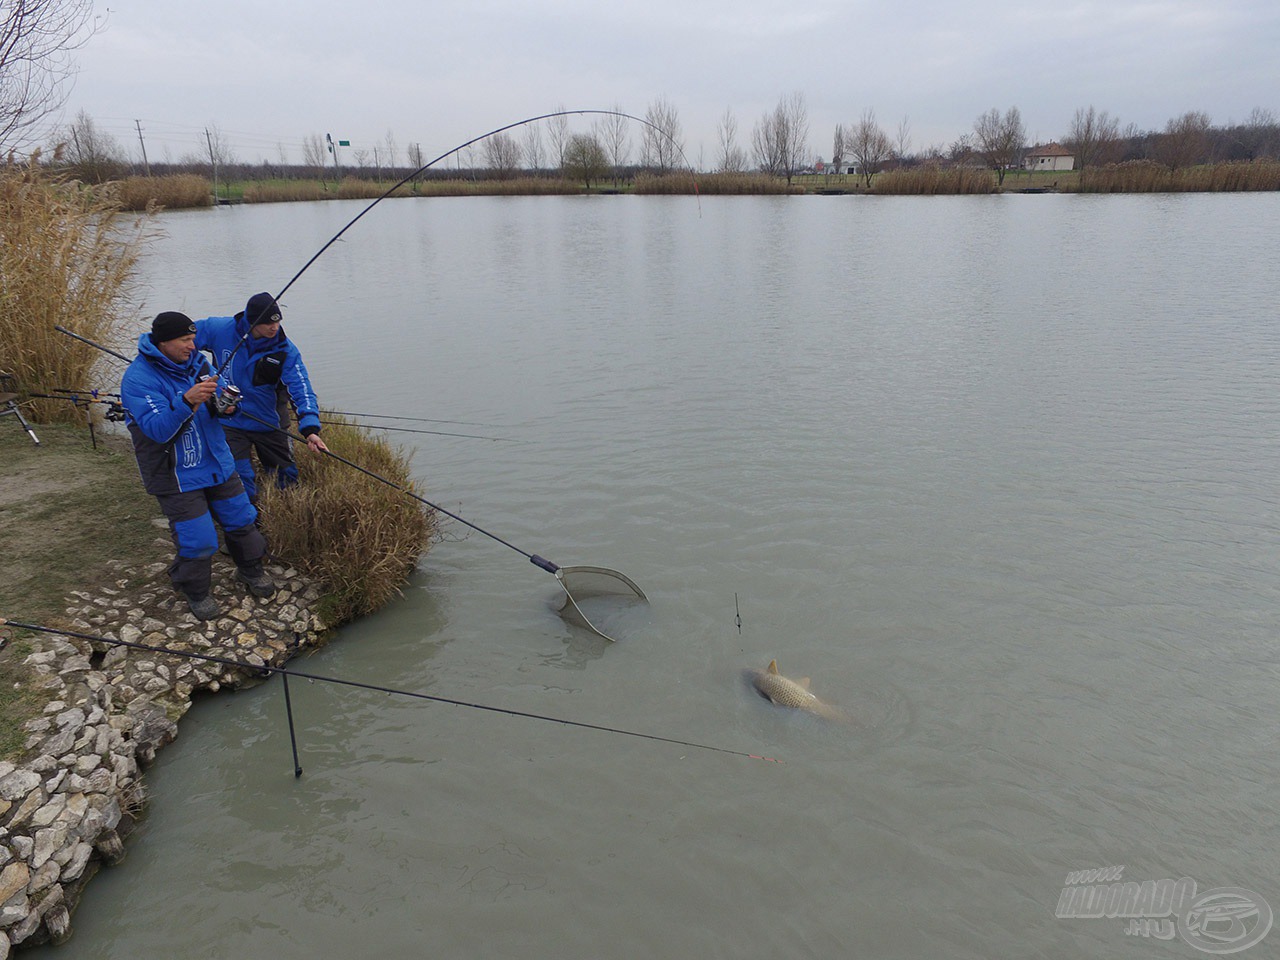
(225, 403)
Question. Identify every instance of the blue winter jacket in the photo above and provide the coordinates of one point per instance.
(257, 368)
(177, 448)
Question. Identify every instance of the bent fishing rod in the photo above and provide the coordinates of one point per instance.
(340, 681)
(448, 153)
(541, 562)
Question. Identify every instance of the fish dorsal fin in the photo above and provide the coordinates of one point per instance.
(804, 682)
(773, 667)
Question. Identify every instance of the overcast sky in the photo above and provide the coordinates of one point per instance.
(268, 73)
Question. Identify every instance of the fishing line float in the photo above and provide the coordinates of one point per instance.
(413, 694)
(587, 581)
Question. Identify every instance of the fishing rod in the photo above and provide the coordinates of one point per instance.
(431, 163)
(540, 562)
(90, 391)
(462, 146)
(114, 412)
(340, 681)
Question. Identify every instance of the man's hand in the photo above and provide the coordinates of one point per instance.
(315, 444)
(201, 392)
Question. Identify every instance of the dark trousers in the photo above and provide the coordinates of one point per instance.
(274, 453)
(191, 516)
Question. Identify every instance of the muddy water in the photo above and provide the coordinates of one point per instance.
(998, 474)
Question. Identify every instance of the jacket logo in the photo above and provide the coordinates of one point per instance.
(191, 447)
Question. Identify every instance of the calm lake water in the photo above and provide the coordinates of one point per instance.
(998, 473)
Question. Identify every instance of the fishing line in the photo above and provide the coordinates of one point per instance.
(412, 694)
(391, 416)
(434, 433)
(519, 123)
(448, 153)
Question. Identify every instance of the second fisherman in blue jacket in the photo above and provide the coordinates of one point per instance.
(267, 368)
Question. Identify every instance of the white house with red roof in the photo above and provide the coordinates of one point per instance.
(1052, 156)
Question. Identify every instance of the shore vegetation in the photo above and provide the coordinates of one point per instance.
(67, 256)
(358, 536)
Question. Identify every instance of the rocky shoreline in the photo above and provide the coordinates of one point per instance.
(67, 808)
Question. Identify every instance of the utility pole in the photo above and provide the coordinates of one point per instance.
(213, 159)
(333, 148)
(146, 166)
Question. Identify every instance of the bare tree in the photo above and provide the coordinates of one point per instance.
(869, 146)
(613, 132)
(961, 149)
(414, 151)
(558, 134)
(1000, 140)
(585, 159)
(220, 154)
(838, 147)
(313, 155)
(502, 153)
(732, 158)
(1185, 141)
(661, 143)
(218, 146)
(1259, 135)
(93, 154)
(1092, 137)
(37, 39)
(781, 140)
(533, 149)
(361, 156)
(390, 149)
(902, 143)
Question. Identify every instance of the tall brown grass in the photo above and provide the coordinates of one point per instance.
(359, 537)
(1148, 176)
(178, 192)
(279, 191)
(931, 180)
(67, 257)
(686, 182)
(352, 188)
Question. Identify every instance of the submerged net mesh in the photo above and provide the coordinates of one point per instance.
(596, 597)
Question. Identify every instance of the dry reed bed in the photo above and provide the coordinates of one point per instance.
(1147, 176)
(707, 184)
(177, 192)
(934, 181)
(354, 189)
(359, 537)
(67, 256)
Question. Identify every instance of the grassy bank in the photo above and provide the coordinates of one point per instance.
(359, 537)
(66, 509)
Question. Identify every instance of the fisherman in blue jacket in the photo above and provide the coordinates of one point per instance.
(269, 372)
(168, 395)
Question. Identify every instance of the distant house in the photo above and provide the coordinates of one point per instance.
(1052, 156)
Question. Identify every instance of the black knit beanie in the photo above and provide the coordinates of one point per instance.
(262, 308)
(170, 325)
